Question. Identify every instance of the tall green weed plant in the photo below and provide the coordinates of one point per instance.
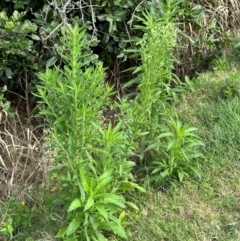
(144, 113)
(91, 170)
(175, 152)
(155, 75)
(150, 117)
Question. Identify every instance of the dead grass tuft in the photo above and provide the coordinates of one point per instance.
(21, 152)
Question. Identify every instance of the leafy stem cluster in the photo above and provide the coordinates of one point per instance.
(92, 165)
(165, 146)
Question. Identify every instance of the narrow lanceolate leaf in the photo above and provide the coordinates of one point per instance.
(74, 224)
(116, 201)
(110, 198)
(115, 227)
(181, 174)
(102, 211)
(132, 205)
(61, 233)
(75, 204)
(119, 230)
(102, 184)
(191, 129)
(99, 237)
(50, 62)
(85, 181)
(166, 173)
(60, 119)
(196, 171)
(89, 204)
(158, 169)
(166, 134)
(134, 185)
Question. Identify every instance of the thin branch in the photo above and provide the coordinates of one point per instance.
(55, 29)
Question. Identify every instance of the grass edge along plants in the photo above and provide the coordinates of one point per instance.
(91, 169)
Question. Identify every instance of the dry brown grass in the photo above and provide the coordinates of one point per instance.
(206, 33)
(21, 152)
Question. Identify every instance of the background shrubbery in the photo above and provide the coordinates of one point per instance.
(30, 33)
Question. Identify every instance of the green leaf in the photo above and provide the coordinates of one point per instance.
(138, 69)
(122, 216)
(141, 189)
(75, 204)
(100, 237)
(191, 129)
(101, 17)
(132, 205)
(102, 211)
(50, 62)
(60, 119)
(89, 204)
(9, 25)
(153, 146)
(158, 169)
(105, 39)
(131, 82)
(16, 15)
(8, 73)
(104, 180)
(110, 198)
(171, 145)
(237, 45)
(74, 224)
(115, 227)
(85, 181)
(120, 15)
(61, 233)
(119, 230)
(3, 16)
(164, 135)
(166, 173)
(196, 171)
(117, 202)
(35, 37)
(181, 174)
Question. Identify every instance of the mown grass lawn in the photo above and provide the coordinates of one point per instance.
(207, 209)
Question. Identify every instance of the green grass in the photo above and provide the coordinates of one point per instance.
(206, 209)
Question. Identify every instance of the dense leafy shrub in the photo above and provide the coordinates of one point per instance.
(30, 34)
(32, 30)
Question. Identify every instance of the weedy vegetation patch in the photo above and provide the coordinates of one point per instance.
(164, 167)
